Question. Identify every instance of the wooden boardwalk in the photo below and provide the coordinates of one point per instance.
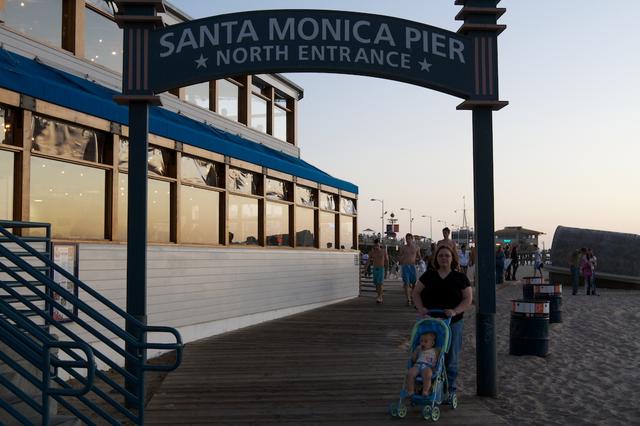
(341, 364)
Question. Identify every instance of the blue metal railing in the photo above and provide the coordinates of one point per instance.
(91, 318)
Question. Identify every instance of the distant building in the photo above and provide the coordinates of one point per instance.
(523, 237)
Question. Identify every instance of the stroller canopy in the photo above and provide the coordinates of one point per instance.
(431, 325)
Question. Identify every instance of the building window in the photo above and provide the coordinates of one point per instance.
(69, 196)
(346, 232)
(327, 201)
(159, 160)
(6, 185)
(327, 230)
(306, 196)
(277, 224)
(199, 215)
(243, 220)
(7, 125)
(228, 95)
(158, 210)
(54, 137)
(103, 40)
(201, 172)
(305, 229)
(198, 94)
(277, 190)
(259, 104)
(348, 206)
(280, 112)
(243, 181)
(38, 19)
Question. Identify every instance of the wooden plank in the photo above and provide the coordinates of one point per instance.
(340, 364)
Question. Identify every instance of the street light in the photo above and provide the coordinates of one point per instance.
(410, 220)
(381, 217)
(430, 226)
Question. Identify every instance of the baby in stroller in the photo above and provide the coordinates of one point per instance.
(426, 378)
(425, 358)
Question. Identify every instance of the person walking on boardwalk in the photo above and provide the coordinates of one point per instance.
(574, 266)
(379, 259)
(448, 289)
(408, 255)
(514, 263)
(585, 269)
(594, 263)
(499, 265)
(537, 261)
(447, 241)
(464, 259)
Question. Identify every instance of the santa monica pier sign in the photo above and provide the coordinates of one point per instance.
(311, 40)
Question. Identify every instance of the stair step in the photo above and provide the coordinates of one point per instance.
(13, 299)
(37, 268)
(15, 284)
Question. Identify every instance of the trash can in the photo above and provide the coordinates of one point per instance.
(529, 328)
(553, 294)
(527, 286)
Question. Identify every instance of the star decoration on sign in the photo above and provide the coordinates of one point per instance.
(424, 65)
(201, 61)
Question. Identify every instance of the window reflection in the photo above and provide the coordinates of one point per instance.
(57, 138)
(280, 123)
(327, 201)
(201, 172)
(346, 232)
(305, 196)
(158, 159)
(199, 215)
(103, 41)
(258, 113)
(6, 185)
(243, 181)
(7, 125)
(69, 196)
(348, 206)
(38, 19)
(277, 224)
(305, 234)
(277, 189)
(243, 220)
(327, 230)
(228, 95)
(198, 94)
(158, 210)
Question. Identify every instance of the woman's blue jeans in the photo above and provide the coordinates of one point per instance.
(451, 359)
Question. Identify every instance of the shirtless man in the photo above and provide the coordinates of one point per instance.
(379, 259)
(408, 255)
(447, 241)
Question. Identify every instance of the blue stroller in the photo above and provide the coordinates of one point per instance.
(431, 402)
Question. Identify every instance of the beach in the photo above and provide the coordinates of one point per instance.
(592, 372)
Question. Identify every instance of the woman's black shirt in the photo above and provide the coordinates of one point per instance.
(444, 293)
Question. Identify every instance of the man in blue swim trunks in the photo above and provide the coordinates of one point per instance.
(379, 259)
(408, 255)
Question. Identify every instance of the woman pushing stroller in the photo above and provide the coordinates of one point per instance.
(444, 287)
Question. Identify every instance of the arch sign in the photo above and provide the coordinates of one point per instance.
(462, 64)
(311, 40)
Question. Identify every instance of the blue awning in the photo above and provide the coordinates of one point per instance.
(29, 77)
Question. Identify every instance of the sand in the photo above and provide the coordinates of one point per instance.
(592, 372)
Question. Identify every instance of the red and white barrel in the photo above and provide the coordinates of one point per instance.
(529, 328)
(553, 294)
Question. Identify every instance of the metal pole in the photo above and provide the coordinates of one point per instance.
(486, 273)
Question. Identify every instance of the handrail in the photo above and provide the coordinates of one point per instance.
(38, 279)
(178, 346)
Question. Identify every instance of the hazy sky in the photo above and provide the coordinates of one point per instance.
(566, 149)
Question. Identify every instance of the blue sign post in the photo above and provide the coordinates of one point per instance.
(463, 64)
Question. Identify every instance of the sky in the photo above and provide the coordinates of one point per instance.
(566, 148)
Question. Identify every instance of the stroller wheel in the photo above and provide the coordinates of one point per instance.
(402, 411)
(393, 411)
(435, 414)
(426, 412)
(454, 401)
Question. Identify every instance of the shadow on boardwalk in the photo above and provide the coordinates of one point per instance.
(341, 364)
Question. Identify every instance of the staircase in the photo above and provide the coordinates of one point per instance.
(49, 335)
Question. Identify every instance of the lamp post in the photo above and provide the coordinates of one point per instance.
(430, 226)
(381, 217)
(410, 220)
